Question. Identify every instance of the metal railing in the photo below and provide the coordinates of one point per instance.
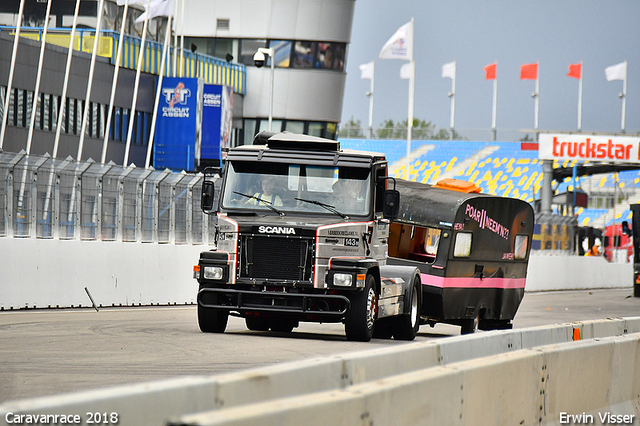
(212, 70)
(44, 197)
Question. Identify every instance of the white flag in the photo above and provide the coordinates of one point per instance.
(405, 71)
(366, 70)
(449, 70)
(400, 45)
(616, 72)
(157, 8)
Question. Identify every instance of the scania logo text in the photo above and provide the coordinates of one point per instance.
(276, 230)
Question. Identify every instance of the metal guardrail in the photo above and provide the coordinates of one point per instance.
(44, 197)
(212, 70)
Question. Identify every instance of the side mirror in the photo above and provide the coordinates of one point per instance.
(391, 207)
(208, 192)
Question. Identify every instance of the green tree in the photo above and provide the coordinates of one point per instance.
(352, 129)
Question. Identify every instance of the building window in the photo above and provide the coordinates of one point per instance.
(248, 48)
(282, 53)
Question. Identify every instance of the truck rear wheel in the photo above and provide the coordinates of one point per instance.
(212, 320)
(406, 326)
(361, 316)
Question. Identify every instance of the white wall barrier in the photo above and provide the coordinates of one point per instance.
(40, 273)
(527, 376)
(49, 273)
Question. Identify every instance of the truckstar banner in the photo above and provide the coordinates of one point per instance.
(589, 148)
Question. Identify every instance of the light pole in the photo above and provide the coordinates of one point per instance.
(259, 60)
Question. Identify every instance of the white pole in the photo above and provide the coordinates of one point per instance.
(494, 112)
(63, 98)
(453, 102)
(132, 116)
(272, 53)
(175, 39)
(36, 91)
(624, 97)
(370, 94)
(85, 116)
(158, 92)
(11, 69)
(536, 97)
(182, 38)
(114, 84)
(412, 77)
(580, 100)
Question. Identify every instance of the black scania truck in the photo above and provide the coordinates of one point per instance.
(309, 232)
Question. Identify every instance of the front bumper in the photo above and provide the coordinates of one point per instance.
(319, 306)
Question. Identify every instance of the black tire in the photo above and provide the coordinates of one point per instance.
(407, 325)
(360, 320)
(212, 320)
(257, 323)
(383, 329)
(282, 325)
(469, 326)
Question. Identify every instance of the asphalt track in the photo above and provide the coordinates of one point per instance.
(46, 352)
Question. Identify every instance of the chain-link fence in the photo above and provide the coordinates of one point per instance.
(44, 197)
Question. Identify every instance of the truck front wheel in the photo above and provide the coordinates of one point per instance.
(212, 320)
(361, 316)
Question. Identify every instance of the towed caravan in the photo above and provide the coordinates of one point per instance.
(472, 250)
(306, 231)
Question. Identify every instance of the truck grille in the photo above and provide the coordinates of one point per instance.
(276, 258)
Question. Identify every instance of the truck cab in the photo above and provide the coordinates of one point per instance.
(302, 235)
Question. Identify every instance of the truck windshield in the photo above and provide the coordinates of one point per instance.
(297, 188)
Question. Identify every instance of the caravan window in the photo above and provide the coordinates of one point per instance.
(462, 246)
(522, 242)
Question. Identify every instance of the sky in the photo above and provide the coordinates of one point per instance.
(476, 33)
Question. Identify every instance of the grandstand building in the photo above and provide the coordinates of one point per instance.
(310, 39)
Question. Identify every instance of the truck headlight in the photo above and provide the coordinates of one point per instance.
(343, 280)
(212, 272)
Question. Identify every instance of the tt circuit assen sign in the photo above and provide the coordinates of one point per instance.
(588, 148)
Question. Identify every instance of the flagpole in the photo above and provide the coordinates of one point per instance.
(580, 100)
(182, 38)
(452, 95)
(412, 77)
(158, 91)
(536, 97)
(114, 84)
(36, 90)
(16, 39)
(135, 86)
(494, 112)
(370, 94)
(175, 39)
(624, 96)
(65, 85)
(85, 116)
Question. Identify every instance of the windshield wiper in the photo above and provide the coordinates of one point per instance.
(329, 207)
(266, 203)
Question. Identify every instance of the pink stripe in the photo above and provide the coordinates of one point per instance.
(470, 282)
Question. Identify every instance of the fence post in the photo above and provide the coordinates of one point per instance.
(189, 209)
(10, 194)
(77, 214)
(140, 202)
(120, 205)
(34, 196)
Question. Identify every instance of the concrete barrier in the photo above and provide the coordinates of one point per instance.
(437, 372)
(546, 273)
(41, 273)
(542, 386)
(53, 273)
